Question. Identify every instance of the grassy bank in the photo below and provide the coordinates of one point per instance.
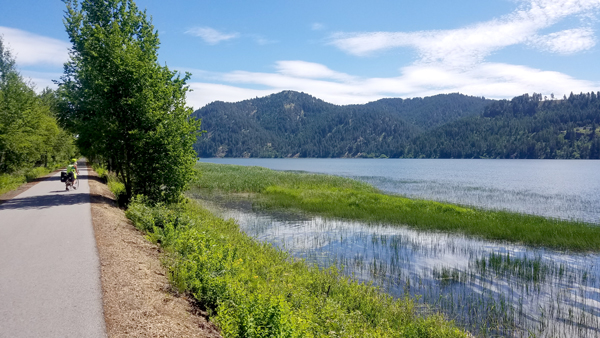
(254, 290)
(345, 198)
(10, 182)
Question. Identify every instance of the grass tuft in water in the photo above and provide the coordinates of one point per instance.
(254, 290)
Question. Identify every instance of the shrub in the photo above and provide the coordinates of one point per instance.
(251, 289)
(34, 173)
(10, 182)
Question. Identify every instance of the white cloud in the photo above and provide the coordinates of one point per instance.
(41, 80)
(492, 80)
(32, 49)
(303, 69)
(204, 93)
(211, 35)
(464, 47)
(566, 42)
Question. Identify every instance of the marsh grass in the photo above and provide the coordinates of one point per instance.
(252, 289)
(345, 198)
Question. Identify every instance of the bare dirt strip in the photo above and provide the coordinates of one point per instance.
(137, 296)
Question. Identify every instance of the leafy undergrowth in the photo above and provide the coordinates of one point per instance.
(254, 290)
(346, 198)
(10, 182)
(114, 184)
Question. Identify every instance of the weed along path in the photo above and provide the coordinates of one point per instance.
(49, 267)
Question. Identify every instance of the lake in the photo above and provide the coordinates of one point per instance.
(567, 189)
(489, 288)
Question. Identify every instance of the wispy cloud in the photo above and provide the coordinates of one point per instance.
(569, 41)
(211, 35)
(317, 26)
(470, 45)
(261, 40)
(447, 60)
(492, 80)
(41, 80)
(303, 69)
(203, 93)
(32, 49)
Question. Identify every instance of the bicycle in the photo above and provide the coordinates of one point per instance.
(69, 180)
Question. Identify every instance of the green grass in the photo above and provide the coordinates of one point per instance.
(338, 197)
(10, 182)
(113, 182)
(251, 289)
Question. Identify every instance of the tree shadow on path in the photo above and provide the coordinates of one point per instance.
(46, 201)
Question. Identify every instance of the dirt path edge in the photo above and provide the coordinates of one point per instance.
(137, 297)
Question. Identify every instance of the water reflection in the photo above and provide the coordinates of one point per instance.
(567, 189)
(487, 287)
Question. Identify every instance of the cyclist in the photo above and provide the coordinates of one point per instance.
(72, 169)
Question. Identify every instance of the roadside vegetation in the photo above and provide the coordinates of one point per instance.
(31, 142)
(251, 289)
(349, 199)
(12, 181)
(128, 110)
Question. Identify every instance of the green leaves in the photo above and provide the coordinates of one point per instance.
(128, 110)
(29, 134)
(251, 289)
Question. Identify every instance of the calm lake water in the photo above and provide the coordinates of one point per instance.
(490, 288)
(568, 189)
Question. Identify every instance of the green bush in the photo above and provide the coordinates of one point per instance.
(101, 171)
(10, 182)
(34, 173)
(118, 188)
(114, 184)
(251, 289)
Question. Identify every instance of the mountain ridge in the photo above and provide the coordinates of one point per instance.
(294, 124)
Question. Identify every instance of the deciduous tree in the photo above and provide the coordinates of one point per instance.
(29, 134)
(127, 109)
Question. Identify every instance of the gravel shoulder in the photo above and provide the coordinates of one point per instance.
(137, 297)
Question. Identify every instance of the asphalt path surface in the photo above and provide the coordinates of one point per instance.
(49, 266)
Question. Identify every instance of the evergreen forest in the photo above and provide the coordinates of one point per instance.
(292, 124)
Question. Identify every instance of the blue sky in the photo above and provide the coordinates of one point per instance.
(347, 51)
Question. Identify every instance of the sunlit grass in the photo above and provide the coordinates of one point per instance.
(10, 182)
(251, 289)
(349, 199)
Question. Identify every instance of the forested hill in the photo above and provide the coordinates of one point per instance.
(291, 124)
(524, 127)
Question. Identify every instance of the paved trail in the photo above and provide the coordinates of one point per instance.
(49, 268)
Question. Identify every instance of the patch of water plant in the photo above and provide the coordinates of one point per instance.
(488, 288)
(251, 289)
(345, 198)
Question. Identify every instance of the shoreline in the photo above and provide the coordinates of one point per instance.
(334, 196)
